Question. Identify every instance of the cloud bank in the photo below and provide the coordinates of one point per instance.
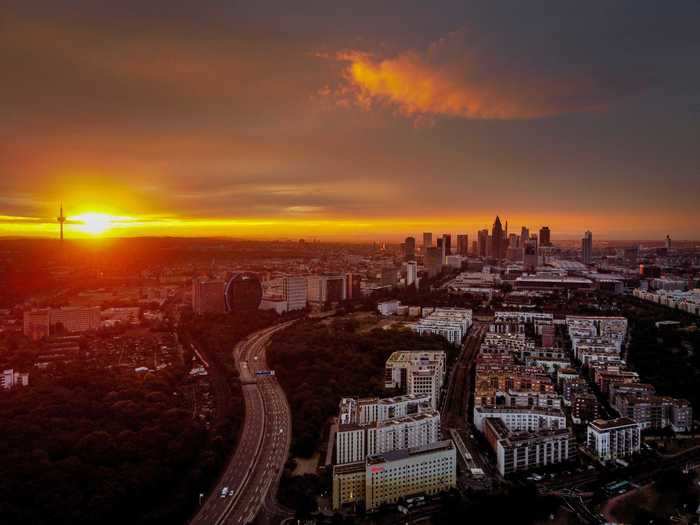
(456, 77)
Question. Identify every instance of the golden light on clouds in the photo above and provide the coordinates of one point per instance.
(452, 79)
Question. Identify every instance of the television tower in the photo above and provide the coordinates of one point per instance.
(61, 219)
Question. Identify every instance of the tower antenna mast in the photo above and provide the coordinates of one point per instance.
(61, 219)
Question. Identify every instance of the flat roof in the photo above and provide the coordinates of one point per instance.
(607, 424)
(395, 455)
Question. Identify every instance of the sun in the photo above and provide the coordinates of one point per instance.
(93, 223)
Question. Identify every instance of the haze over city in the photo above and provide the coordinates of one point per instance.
(369, 121)
(365, 263)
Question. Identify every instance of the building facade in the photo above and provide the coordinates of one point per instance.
(614, 438)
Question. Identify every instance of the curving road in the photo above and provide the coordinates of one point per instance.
(254, 471)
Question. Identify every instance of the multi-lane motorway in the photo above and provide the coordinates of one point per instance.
(251, 478)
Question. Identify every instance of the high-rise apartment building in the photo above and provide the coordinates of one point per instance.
(418, 373)
(208, 296)
(329, 288)
(587, 248)
(294, 289)
(411, 273)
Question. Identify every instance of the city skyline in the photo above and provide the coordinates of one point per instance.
(276, 121)
(95, 225)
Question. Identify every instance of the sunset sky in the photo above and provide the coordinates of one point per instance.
(362, 120)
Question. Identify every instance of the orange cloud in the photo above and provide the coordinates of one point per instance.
(455, 78)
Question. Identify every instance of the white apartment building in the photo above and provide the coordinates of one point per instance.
(295, 292)
(685, 301)
(425, 382)
(387, 308)
(614, 438)
(504, 319)
(398, 364)
(597, 331)
(526, 419)
(451, 323)
(505, 343)
(11, 379)
(367, 410)
(419, 373)
(518, 451)
(355, 442)
(411, 273)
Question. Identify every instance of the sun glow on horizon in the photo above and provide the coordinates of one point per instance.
(93, 223)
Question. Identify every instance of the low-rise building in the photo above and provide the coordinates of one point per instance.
(11, 379)
(387, 308)
(451, 323)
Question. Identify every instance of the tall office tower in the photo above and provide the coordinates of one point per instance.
(514, 250)
(530, 259)
(411, 273)
(463, 245)
(208, 296)
(587, 248)
(294, 289)
(409, 248)
(545, 239)
(497, 240)
(483, 241)
(427, 241)
(524, 235)
(433, 261)
(475, 248)
(447, 243)
(441, 248)
(668, 242)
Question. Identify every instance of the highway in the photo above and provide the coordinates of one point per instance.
(253, 472)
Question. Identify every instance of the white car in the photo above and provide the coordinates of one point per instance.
(224, 492)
